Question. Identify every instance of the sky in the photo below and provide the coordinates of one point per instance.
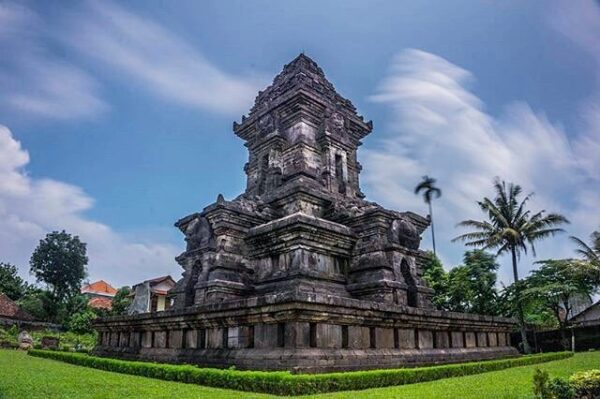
(116, 118)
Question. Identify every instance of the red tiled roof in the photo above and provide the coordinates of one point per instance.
(8, 308)
(99, 287)
(100, 303)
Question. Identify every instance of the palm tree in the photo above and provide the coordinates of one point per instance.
(591, 253)
(427, 185)
(510, 228)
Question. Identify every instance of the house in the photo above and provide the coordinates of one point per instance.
(151, 295)
(11, 313)
(100, 294)
(590, 316)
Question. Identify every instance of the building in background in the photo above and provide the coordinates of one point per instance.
(100, 294)
(151, 295)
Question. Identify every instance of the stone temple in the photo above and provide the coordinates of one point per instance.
(300, 272)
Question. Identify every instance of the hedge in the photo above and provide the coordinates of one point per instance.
(286, 383)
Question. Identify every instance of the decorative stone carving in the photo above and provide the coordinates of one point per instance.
(405, 233)
(25, 341)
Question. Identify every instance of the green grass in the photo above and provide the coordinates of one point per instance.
(23, 376)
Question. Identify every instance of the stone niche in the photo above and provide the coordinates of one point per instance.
(300, 272)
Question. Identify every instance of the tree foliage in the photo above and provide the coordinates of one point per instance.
(510, 228)
(556, 283)
(10, 283)
(590, 252)
(121, 301)
(60, 262)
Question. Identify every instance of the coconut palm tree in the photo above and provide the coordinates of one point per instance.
(427, 186)
(511, 228)
(591, 252)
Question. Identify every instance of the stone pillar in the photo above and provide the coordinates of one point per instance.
(470, 341)
(406, 338)
(425, 339)
(457, 339)
(329, 336)
(492, 339)
(358, 337)
(384, 338)
(297, 335)
(134, 339)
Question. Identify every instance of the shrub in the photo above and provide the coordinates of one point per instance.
(586, 383)
(540, 384)
(561, 389)
(286, 383)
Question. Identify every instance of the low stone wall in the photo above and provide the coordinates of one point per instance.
(305, 334)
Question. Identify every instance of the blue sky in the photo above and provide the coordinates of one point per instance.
(115, 118)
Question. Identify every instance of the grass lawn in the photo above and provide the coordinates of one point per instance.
(23, 376)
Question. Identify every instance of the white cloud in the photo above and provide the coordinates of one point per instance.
(31, 207)
(440, 128)
(147, 53)
(35, 82)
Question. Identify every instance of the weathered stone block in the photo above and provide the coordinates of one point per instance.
(502, 339)
(175, 339)
(124, 339)
(425, 339)
(482, 339)
(297, 335)
(134, 339)
(265, 336)
(470, 340)
(239, 337)
(147, 339)
(214, 338)
(160, 339)
(406, 338)
(442, 339)
(457, 339)
(358, 337)
(190, 339)
(114, 339)
(384, 338)
(105, 339)
(492, 339)
(329, 336)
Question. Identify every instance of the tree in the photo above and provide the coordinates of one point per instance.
(60, 262)
(510, 228)
(121, 301)
(437, 279)
(589, 252)
(427, 186)
(555, 284)
(10, 283)
(471, 287)
(39, 303)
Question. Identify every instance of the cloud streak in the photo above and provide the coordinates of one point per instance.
(147, 53)
(33, 81)
(440, 128)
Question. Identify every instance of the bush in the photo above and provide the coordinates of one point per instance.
(540, 384)
(586, 383)
(286, 383)
(561, 389)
